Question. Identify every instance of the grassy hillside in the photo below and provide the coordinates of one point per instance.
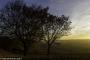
(66, 49)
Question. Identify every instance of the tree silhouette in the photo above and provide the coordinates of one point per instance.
(53, 28)
(29, 24)
(22, 22)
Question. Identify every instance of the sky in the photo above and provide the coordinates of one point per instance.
(77, 10)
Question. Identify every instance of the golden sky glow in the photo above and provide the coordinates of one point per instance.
(76, 37)
(77, 10)
(80, 18)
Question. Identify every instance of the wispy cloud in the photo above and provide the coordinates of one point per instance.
(80, 17)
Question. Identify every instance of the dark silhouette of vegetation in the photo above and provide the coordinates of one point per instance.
(55, 27)
(29, 24)
(22, 23)
(4, 42)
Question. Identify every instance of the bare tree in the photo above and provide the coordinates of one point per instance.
(22, 22)
(54, 27)
(15, 23)
(28, 24)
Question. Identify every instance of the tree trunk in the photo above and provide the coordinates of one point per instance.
(25, 49)
(48, 49)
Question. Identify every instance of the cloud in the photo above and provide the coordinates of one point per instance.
(78, 10)
(80, 17)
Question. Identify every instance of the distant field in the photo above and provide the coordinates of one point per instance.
(75, 46)
(69, 49)
(66, 49)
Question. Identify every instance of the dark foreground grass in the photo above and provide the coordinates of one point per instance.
(58, 57)
(66, 50)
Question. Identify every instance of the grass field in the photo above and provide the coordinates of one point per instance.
(66, 50)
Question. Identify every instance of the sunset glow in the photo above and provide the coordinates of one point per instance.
(77, 10)
(80, 21)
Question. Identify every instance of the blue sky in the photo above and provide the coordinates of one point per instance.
(57, 7)
(78, 10)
